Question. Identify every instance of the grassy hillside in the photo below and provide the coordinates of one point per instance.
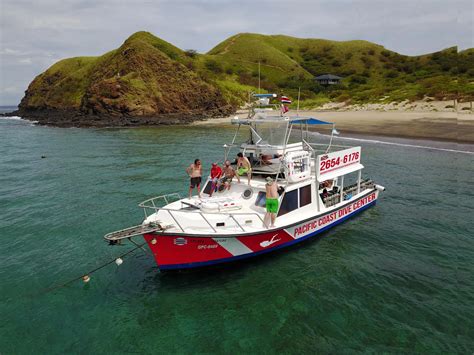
(371, 73)
(146, 75)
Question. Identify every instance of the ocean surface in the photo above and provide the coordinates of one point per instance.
(399, 278)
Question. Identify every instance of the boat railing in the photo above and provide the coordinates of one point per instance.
(159, 201)
(176, 214)
(322, 148)
(348, 192)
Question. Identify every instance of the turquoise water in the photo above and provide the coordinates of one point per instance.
(396, 279)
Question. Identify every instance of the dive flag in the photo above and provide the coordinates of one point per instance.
(285, 100)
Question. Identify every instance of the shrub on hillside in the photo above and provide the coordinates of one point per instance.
(391, 74)
(190, 65)
(348, 72)
(213, 66)
(343, 98)
(367, 62)
(326, 48)
(358, 79)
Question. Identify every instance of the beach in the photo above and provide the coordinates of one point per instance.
(433, 125)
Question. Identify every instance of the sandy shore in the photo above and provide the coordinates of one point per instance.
(448, 126)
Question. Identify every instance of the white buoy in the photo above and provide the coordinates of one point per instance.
(153, 241)
(86, 278)
(118, 261)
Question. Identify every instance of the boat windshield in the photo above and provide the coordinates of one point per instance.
(272, 133)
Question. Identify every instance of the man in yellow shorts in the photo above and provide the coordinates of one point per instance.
(243, 167)
(271, 189)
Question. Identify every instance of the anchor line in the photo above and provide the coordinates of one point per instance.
(138, 246)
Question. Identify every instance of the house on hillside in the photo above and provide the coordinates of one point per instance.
(328, 79)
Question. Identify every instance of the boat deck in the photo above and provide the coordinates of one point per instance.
(190, 216)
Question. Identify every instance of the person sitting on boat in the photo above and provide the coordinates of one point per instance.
(325, 194)
(228, 175)
(195, 172)
(243, 167)
(265, 159)
(216, 173)
(271, 201)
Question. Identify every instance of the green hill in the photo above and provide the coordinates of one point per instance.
(149, 77)
(144, 77)
(370, 72)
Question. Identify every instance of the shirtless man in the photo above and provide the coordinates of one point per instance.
(195, 172)
(228, 173)
(271, 189)
(243, 167)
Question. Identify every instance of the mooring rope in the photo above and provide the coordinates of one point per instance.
(138, 246)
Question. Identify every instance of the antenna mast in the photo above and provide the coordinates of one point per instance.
(259, 77)
(298, 105)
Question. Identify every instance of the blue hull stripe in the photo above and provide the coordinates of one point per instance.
(249, 255)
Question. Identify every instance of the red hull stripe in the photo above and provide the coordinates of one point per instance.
(164, 266)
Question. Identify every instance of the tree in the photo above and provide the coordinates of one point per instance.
(191, 53)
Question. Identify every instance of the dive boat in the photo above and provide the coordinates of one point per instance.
(321, 185)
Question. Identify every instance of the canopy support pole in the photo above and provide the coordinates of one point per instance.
(227, 149)
(332, 135)
(342, 188)
(287, 138)
(359, 175)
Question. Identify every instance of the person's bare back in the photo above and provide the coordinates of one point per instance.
(271, 190)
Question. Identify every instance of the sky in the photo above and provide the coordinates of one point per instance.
(35, 34)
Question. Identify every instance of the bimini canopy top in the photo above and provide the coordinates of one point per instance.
(276, 118)
(310, 121)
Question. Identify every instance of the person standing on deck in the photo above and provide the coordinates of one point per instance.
(271, 189)
(216, 173)
(195, 173)
(243, 167)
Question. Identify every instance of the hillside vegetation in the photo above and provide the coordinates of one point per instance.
(371, 73)
(147, 76)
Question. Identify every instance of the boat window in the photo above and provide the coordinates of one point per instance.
(261, 199)
(270, 133)
(289, 203)
(305, 195)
